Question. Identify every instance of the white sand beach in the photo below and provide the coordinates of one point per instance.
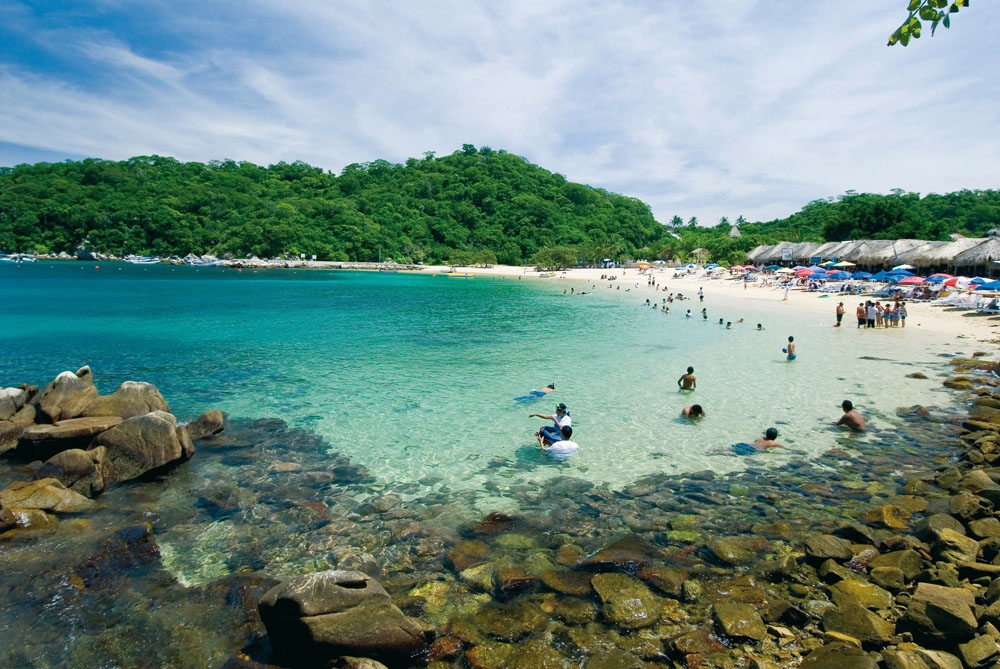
(949, 321)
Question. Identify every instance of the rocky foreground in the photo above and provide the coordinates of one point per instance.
(824, 565)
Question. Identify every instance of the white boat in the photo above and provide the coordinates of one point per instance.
(142, 260)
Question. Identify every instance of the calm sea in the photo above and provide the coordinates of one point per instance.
(414, 376)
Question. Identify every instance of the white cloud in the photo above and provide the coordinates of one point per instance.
(726, 108)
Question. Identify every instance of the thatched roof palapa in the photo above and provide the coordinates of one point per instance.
(823, 250)
(890, 253)
(804, 251)
(759, 251)
(980, 255)
(864, 247)
(944, 254)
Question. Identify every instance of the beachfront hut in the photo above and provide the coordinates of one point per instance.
(822, 251)
(757, 252)
(979, 260)
(942, 257)
(734, 233)
(864, 247)
(803, 251)
(887, 255)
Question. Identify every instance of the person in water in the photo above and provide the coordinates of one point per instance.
(693, 411)
(790, 350)
(760, 445)
(542, 392)
(562, 448)
(687, 381)
(759, 326)
(851, 418)
(553, 433)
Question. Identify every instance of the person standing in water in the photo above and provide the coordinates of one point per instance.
(687, 381)
(560, 419)
(840, 314)
(790, 350)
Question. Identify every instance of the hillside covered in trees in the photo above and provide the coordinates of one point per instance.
(475, 205)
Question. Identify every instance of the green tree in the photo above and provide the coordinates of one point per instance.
(934, 12)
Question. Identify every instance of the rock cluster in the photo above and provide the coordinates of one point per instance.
(80, 442)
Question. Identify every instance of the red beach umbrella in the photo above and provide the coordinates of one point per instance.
(941, 274)
(912, 280)
(953, 281)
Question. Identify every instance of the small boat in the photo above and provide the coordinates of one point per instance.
(459, 275)
(548, 275)
(390, 271)
(142, 260)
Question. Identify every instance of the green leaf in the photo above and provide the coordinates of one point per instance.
(934, 25)
(947, 21)
(904, 38)
(928, 14)
(937, 4)
(912, 7)
(954, 8)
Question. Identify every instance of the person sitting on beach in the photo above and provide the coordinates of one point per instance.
(687, 381)
(560, 419)
(693, 411)
(851, 418)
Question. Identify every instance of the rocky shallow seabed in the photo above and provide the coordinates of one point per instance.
(885, 553)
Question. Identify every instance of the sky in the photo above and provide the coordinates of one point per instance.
(721, 108)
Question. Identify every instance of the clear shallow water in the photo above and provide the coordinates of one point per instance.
(413, 376)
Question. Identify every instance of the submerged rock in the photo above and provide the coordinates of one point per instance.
(320, 616)
(627, 602)
(127, 549)
(207, 425)
(630, 553)
(739, 621)
(839, 655)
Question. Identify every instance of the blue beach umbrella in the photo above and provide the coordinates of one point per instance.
(817, 268)
(978, 281)
(863, 275)
(818, 275)
(798, 267)
(937, 278)
(773, 267)
(900, 272)
(711, 265)
(839, 276)
(992, 285)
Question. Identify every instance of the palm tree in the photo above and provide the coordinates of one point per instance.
(693, 221)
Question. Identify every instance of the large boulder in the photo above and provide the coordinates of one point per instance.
(938, 614)
(206, 425)
(317, 617)
(133, 398)
(11, 401)
(79, 470)
(45, 494)
(67, 395)
(141, 444)
(12, 428)
(628, 603)
(739, 621)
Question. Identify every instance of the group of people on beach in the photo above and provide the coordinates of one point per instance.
(877, 315)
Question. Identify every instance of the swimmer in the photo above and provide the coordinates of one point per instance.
(693, 411)
(688, 314)
(759, 446)
(720, 321)
(851, 418)
(729, 325)
(687, 381)
(542, 392)
(759, 326)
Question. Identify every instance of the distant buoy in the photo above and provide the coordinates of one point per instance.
(239, 270)
(97, 267)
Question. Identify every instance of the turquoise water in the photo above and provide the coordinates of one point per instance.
(413, 376)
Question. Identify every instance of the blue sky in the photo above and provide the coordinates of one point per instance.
(706, 109)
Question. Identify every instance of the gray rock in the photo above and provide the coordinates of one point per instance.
(11, 430)
(139, 445)
(955, 547)
(907, 561)
(928, 527)
(45, 494)
(728, 552)
(937, 614)
(911, 656)
(978, 651)
(864, 594)
(80, 471)
(628, 603)
(70, 429)
(11, 401)
(207, 425)
(831, 573)
(823, 546)
(838, 656)
(858, 622)
(985, 528)
(739, 621)
(890, 578)
(133, 398)
(966, 506)
(67, 395)
(325, 615)
(614, 658)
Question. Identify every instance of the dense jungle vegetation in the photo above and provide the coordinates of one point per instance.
(473, 206)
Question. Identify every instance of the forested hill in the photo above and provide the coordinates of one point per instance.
(476, 205)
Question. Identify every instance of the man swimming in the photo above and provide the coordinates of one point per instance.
(687, 381)
(693, 411)
(851, 418)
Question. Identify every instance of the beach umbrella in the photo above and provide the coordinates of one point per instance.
(711, 265)
(839, 276)
(900, 272)
(978, 281)
(911, 280)
(786, 270)
(992, 285)
(938, 278)
(955, 280)
(816, 268)
(818, 275)
(904, 267)
(773, 267)
(844, 263)
(798, 267)
(862, 275)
